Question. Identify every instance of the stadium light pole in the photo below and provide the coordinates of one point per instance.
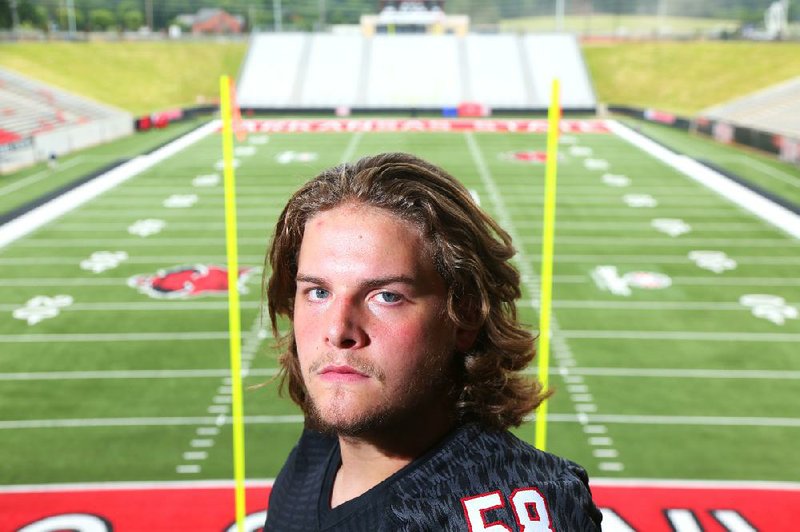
(559, 15)
(14, 19)
(278, 14)
(71, 18)
(148, 7)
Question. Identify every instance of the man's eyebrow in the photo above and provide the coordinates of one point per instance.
(300, 278)
(389, 279)
(368, 283)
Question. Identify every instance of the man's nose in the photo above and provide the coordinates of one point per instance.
(345, 327)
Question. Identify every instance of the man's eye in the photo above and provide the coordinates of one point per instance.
(317, 293)
(389, 297)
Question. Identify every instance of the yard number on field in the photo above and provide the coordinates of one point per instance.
(41, 308)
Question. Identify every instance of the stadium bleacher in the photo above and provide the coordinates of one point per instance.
(491, 71)
(775, 109)
(413, 71)
(37, 121)
(558, 55)
(333, 58)
(271, 69)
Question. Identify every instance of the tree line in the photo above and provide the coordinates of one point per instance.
(304, 15)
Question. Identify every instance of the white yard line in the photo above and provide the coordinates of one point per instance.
(350, 151)
(142, 422)
(202, 199)
(132, 374)
(745, 198)
(591, 185)
(113, 337)
(729, 421)
(566, 199)
(737, 281)
(149, 259)
(40, 216)
(134, 485)
(688, 373)
(56, 281)
(642, 225)
(623, 211)
(160, 306)
(705, 281)
(173, 227)
(625, 419)
(663, 259)
(688, 336)
(645, 305)
(672, 242)
(131, 241)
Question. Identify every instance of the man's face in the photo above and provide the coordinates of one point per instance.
(373, 338)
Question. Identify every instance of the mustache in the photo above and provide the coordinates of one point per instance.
(357, 362)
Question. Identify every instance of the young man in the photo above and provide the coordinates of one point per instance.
(404, 353)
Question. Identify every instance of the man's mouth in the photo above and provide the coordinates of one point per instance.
(341, 373)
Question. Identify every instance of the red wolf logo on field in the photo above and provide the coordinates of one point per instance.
(188, 281)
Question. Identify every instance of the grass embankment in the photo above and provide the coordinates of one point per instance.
(140, 77)
(605, 24)
(686, 77)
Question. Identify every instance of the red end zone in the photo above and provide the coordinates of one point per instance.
(646, 506)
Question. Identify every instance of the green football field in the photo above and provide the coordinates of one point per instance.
(676, 328)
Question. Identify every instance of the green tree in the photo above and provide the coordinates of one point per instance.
(132, 20)
(129, 15)
(101, 19)
(5, 14)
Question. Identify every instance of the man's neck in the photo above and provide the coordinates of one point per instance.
(366, 462)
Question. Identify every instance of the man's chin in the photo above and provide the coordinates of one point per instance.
(353, 425)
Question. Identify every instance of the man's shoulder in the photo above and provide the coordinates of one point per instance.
(483, 455)
(480, 473)
(294, 497)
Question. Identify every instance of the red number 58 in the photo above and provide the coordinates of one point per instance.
(530, 511)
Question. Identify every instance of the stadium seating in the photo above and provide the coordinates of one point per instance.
(404, 71)
(413, 71)
(334, 62)
(37, 120)
(494, 73)
(558, 55)
(775, 109)
(272, 68)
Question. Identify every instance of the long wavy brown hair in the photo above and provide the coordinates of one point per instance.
(470, 251)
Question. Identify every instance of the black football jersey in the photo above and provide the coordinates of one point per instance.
(474, 480)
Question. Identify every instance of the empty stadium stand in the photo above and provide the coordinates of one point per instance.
(775, 109)
(412, 71)
(37, 121)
